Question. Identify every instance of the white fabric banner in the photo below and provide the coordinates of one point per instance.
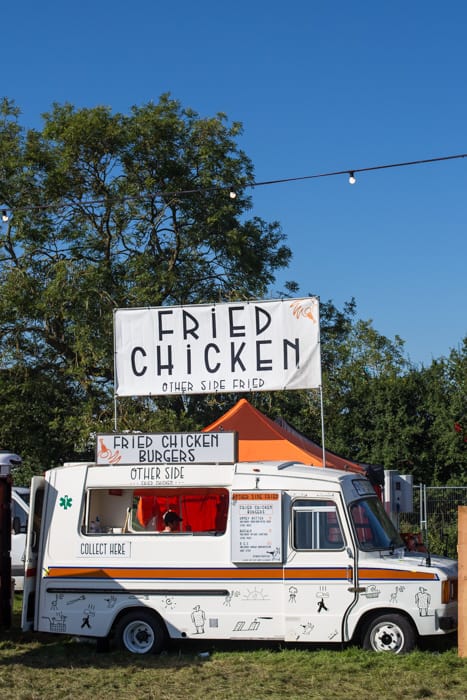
(217, 348)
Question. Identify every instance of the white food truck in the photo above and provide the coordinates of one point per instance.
(260, 551)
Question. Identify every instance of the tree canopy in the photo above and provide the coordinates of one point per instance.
(109, 210)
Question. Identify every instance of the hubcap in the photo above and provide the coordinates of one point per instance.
(387, 637)
(138, 637)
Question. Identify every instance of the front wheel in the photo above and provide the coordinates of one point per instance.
(390, 632)
(141, 632)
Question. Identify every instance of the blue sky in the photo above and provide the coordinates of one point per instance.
(320, 86)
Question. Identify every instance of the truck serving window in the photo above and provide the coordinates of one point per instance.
(373, 528)
(198, 511)
(315, 525)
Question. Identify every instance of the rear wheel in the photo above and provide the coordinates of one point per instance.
(391, 632)
(141, 632)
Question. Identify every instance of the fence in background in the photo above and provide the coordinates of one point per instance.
(434, 514)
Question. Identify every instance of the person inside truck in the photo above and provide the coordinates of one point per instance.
(171, 521)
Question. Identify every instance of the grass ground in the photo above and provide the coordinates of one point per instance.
(33, 667)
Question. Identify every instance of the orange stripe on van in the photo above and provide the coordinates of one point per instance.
(261, 574)
(165, 574)
(176, 574)
(397, 574)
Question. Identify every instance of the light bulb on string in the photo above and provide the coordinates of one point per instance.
(352, 178)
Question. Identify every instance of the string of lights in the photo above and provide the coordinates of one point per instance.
(351, 172)
(6, 213)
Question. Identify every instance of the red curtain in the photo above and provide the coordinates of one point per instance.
(201, 510)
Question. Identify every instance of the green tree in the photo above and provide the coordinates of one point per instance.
(381, 409)
(378, 406)
(357, 364)
(371, 395)
(373, 398)
(446, 406)
(110, 210)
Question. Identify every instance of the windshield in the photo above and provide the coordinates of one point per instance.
(372, 526)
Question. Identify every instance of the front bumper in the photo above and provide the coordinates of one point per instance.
(447, 623)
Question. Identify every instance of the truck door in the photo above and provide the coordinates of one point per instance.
(32, 551)
(319, 574)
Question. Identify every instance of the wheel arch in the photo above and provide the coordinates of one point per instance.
(135, 609)
(140, 629)
(368, 615)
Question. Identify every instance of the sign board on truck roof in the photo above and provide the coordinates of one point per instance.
(167, 448)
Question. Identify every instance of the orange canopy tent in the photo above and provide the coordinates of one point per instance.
(260, 439)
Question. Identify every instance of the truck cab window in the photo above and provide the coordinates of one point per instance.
(315, 525)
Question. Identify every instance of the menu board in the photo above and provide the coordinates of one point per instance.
(256, 526)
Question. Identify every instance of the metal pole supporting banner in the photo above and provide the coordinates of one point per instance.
(322, 423)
